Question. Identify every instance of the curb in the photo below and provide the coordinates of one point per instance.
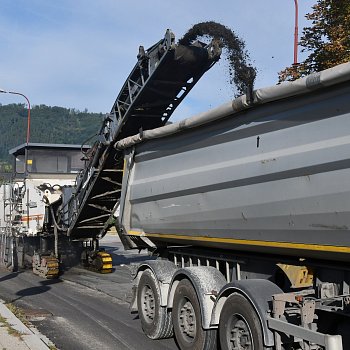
(30, 336)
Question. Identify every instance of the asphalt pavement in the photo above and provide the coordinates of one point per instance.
(83, 310)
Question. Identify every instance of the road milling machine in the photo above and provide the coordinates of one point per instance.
(28, 200)
(62, 198)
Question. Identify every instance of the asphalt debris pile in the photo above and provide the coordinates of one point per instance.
(241, 73)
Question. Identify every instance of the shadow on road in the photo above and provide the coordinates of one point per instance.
(9, 276)
(42, 288)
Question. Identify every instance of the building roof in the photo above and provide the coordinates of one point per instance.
(32, 145)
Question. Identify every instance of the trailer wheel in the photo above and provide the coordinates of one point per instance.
(155, 320)
(188, 330)
(239, 326)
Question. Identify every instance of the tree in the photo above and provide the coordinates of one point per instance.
(328, 39)
(48, 125)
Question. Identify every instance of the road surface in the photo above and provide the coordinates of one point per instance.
(83, 310)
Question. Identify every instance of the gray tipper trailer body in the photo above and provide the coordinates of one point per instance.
(247, 208)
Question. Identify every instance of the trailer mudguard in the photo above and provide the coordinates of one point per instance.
(258, 292)
(163, 270)
(207, 282)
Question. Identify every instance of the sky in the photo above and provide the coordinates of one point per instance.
(78, 53)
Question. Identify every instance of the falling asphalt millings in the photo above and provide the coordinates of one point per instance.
(242, 73)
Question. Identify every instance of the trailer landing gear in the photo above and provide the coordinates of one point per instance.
(46, 266)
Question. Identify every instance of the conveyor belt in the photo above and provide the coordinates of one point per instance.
(160, 80)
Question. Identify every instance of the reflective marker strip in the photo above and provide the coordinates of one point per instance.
(288, 245)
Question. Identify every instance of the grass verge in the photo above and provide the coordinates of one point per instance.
(10, 329)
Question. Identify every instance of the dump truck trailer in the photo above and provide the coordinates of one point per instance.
(246, 208)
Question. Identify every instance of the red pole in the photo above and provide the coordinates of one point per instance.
(296, 34)
(28, 118)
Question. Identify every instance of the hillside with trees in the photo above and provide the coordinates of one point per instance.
(48, 125)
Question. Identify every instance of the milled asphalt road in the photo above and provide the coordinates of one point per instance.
(83, 310)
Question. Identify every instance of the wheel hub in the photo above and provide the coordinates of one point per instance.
(241, 338)
(148, 304)
(188, 320)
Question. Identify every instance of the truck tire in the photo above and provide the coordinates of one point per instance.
(187, 322)
(155, 320)
(239, 326)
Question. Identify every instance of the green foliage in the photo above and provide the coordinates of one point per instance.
(327, 40)
(5, 167)
(48, 125)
